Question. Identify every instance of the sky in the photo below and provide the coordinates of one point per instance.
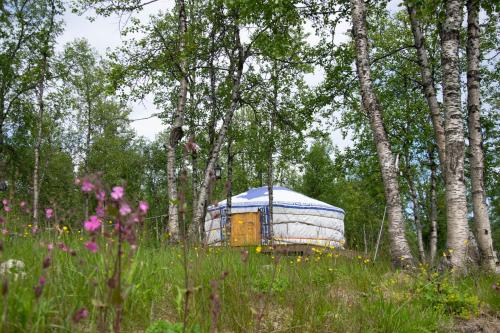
(103, 34)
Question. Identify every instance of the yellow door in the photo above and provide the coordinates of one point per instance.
(245, 229)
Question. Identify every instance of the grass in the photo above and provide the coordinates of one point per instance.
(319, 293)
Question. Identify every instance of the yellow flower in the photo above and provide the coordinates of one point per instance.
(359, 257)
(258, 249)
(299, 259)
(450, 250)
(330, 269)
(65, 228)
(81, 238)
(29, 225)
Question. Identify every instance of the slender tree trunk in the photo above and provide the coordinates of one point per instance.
(456, 202)
(270, 175)
(41, 108)
(400, 250)
(235, 100)
(176, 132)
(433, 204)
(428, 83)
(87, 151)
(229, 185)
(480, 208)
(416, 217)
(36, 171)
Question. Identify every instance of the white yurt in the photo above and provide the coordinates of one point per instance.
(297, 219)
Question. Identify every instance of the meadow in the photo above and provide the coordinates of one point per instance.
(229, 290)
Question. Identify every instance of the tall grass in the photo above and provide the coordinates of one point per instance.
(325, 292)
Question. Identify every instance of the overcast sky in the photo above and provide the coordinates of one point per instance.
(104, 34)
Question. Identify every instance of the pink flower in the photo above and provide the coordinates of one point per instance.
(87, 186)
(92, 246)
(117, 193)
(125, 209)
(5, 202)
(80, 314)
(34, 229)
(50, 247)
(49, 212)
(7, 208)
(22, 204)
(63, 247)
(100, 195)
(100, 211)
(5, 232)
(92, 224)
(42, 280)
(143, 207)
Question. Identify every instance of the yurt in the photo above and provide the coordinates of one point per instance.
(297, 219)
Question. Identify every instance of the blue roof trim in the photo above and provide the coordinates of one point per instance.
(329, 209)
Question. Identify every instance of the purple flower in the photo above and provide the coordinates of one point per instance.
(143, 207)
(5, 202)
(49, 212)
(7, 208)
(100, 195)
(100, 211)
(91, 246)
(117, 193)
(42, 281)
(125, 209)
(87, 186)
(50, 247)
(80, 314)
(92, 224)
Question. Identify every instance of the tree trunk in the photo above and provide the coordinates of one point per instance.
(456, 201)
(87, 150)
(236, 72)
(428, 84)
(38, 144)
(416, 217)
(270, 176)
(229, 186)
(433, 204)
(176, 132)
(41, 108)
(400, 250)
(480, 208)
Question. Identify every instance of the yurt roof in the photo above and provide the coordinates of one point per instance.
(282, 197)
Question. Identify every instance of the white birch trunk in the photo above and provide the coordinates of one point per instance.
(433, 217)
(176, 132)
(400, 250)
(480, 208)
(456, 202)
(428, 84)
(235, 100)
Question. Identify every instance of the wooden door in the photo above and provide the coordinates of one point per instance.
(245, 229)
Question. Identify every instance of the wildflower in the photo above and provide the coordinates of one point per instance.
(92, 224)
(125, 209)
(41, 281)
(80, 314)
(7, 208)
(50, 247)
(22, 204)
(5, 202)
(5, 232)
(49, 212)
(299, 259)
(65, 228)
(46, 262)
(30, 225)
(100, 195)
(143, 207)
(330, 269)
(87, 186)
(117, 193)
(99, 211)
(91, 246)
(258, 249)
(366, 261)
(359, 257)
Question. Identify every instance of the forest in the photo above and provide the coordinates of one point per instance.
(386, 109)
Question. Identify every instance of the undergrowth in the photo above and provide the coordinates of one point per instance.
(235, 291)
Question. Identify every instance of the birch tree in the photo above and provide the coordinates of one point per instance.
(400, 250)
(480, 208)
(456, 200)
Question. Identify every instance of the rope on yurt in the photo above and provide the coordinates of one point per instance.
(265, 228)
(223, 222)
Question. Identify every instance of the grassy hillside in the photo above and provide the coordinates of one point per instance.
(233, 290)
